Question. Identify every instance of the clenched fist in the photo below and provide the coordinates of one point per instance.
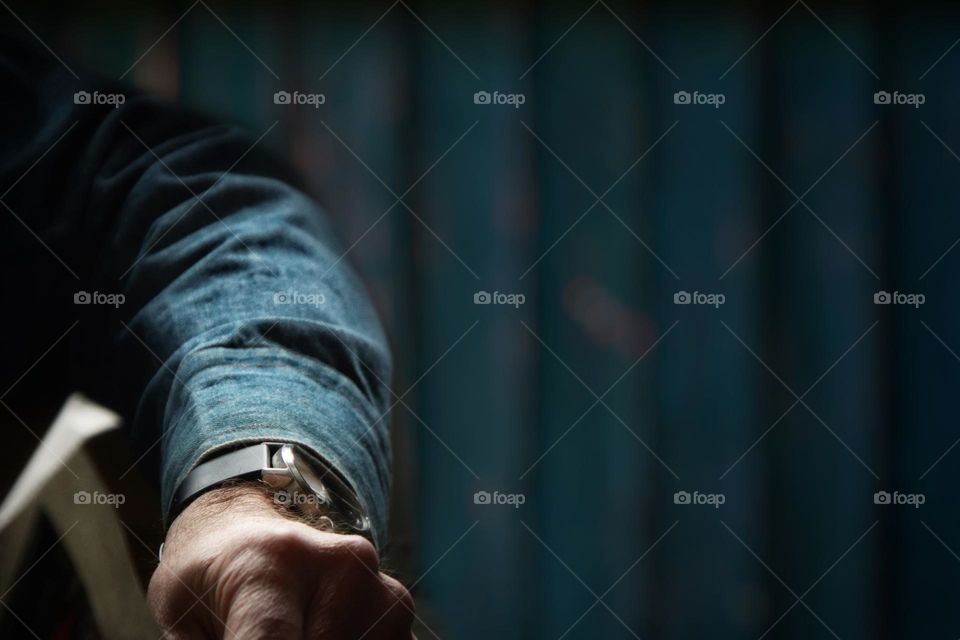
(235, 567)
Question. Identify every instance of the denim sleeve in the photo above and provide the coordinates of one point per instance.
(248, 323)
(241, 320)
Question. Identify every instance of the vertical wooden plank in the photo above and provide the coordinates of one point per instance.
(104, 39)
(705, 212)
(478, 398)
(230, 63)
(365, 113)
(924, 541)
(590, 111)
(822, 500)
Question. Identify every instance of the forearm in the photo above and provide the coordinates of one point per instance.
(243, 323)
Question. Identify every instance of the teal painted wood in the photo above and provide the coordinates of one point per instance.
(231, 68)
(592, 314)
(479, 398)
(704, 211)
(106, 41)
(821, 494)
(350, 147)
(924, 572)
(99, 41)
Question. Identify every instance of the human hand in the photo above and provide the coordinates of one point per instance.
(235, 567)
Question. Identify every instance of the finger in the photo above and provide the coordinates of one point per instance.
(398, 595)
(178, 611)
(263, 614)
(400, 610)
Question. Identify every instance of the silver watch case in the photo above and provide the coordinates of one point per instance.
(314, 488)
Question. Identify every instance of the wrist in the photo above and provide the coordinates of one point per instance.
(245, 500)
(302, 486)
(248, 500)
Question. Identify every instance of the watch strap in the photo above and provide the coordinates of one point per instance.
(242, 464)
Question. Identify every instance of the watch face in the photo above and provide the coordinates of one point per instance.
(314, 480)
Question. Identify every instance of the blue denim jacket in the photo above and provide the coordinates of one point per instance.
(240, 320)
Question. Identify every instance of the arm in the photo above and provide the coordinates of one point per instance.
(204, 354)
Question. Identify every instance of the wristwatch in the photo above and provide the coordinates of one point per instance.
(300, 480)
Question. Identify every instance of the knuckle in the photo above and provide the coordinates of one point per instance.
(360, 551)
(398, 595)
(286, 545)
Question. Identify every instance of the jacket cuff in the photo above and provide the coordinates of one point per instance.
(236, 397)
